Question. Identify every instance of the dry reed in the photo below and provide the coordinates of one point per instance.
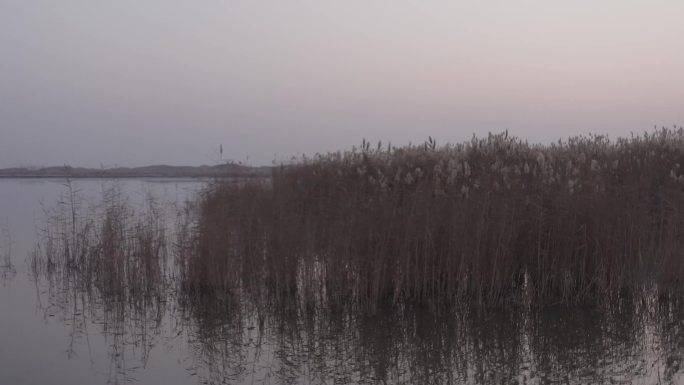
(105, 263)
(111, 252)
(7, 268)
(492, 220)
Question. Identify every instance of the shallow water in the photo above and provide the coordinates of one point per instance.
(53, 331)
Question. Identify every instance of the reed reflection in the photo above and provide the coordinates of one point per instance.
(409, 344)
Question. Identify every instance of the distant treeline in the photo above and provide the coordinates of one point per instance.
(223, 170)
(491, 220)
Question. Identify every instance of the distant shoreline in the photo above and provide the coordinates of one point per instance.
(123, 176)
(157, 171)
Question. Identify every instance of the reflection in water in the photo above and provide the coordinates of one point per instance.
(410, 345)
(108, 265)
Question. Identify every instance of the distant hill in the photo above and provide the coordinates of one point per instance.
(222, 170)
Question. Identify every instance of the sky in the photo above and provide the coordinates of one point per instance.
(129, 82)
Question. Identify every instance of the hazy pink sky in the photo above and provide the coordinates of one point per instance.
(150, 81)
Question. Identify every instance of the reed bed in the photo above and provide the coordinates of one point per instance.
(109, 250)
(105, 262)
(493, 220)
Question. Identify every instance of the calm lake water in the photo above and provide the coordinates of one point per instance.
(53, 331)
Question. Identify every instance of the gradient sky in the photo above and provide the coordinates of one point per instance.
(135, 82)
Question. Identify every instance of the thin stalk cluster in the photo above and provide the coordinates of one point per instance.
(492, 220)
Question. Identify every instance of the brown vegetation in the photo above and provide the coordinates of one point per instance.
(106, 264)
(493, 220)
(109, 251)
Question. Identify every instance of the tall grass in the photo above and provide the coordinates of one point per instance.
(7, 268)
(105, 263)
(492, 220)
(110, 249)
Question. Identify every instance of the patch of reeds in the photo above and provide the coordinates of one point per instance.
(105, 263)
(492, 220)
(7, 268)
(108, 248)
